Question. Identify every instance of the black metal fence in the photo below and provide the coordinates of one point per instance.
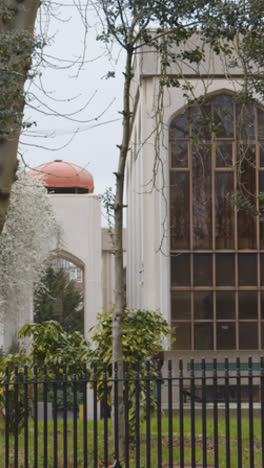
(192, 414)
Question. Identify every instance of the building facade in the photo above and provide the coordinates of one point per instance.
(195, 239)
(84, 249)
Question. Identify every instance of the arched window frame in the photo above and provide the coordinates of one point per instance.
(198, 267)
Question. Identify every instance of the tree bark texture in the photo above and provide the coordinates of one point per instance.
(17, 17)
(120, 299)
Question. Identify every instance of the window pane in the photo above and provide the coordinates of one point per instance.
(226, 335)
(225, 269)
(202, 197)
(262, 305)
(201, 122)
(223, 115)
(262, 335)
(225, 305)
(262, 269)
(248, 305)
(180, 305)
(261, 154)
(246, 155)
(179, 154)
(248, 335)
(203, 305)
(224, 154)
(202, 265)
(224, 213)
(182, 336)
(203, 336)
(261, 224)
(245, 122)
(179, 127)
(79, 275)
(247, 269)
(247, 193)
(179, 210)
(180, 269)
(260, 123)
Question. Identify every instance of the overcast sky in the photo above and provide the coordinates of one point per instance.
(94, 144)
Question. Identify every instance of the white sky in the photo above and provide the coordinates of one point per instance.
(93, 148)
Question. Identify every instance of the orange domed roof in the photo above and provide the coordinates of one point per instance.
(60, 173)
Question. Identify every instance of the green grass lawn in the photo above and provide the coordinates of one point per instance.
(176, 454)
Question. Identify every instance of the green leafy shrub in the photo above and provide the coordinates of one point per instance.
(16, 404)
(52, 345)
(144, 335)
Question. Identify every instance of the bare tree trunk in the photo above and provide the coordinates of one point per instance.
(16, 16)
(120, 299)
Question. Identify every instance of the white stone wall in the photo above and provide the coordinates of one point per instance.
(148, 272)
(80, 219)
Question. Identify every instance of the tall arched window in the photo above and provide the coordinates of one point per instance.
(216, 233)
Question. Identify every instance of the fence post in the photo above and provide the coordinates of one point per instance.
(16, 417)
(159, 415)
(126, 377)
(6, 417)
(148, 435)
(65, 440)
(137, 418)
(170, 415)
(262, 405)
(105, 410)
(181, 415)
(25, 417)
(55, 423)
(45, 428)
(204, 413)
(227, 423)
(215, 413)
(192, 412)
(85, 447)
(250, 413)
(75, 409)
(239, 435)
(35, 412)
(95, 413)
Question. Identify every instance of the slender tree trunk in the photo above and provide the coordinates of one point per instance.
(120, 299)
(16, 16)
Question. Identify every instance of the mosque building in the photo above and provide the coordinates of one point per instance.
(85, 251)
(190, 252)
